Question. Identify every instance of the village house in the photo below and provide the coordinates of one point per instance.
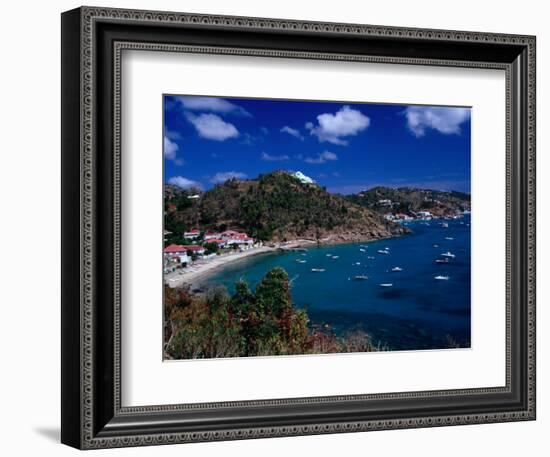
(192, 235)
(232, 237)
(221, 243)
(198, 250)
(404, 217)
(175, 255)
(212, 236)
(426, 215)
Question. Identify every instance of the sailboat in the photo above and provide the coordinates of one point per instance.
(448, 254)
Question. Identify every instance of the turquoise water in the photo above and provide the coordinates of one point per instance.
(416, 312)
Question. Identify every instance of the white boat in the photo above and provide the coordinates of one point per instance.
(445, 260)
(301, 261)
(386, 284)
(362, 250)
(361, 277)
(335, 256)
(370, 257)
(357, 263)
(450, 238)
(396, 269)
(329, 255)
(441, 278)
(383, 251)
(444, 225)
(317, 270)
(436, 245)
(448, 254)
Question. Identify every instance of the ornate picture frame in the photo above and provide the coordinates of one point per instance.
(93, 39)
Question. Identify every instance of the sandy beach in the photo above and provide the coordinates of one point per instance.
(198, 272)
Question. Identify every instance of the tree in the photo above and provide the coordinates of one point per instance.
(211, 248)
(273, 292)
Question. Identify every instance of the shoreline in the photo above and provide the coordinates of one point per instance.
(195, 278)
(331, 241)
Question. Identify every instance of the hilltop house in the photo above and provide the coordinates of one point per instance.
(303, 178)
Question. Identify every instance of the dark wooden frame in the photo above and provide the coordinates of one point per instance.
(92, 42)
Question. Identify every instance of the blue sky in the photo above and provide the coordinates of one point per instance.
(346, 147)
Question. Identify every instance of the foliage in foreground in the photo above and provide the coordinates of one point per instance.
(248, 323)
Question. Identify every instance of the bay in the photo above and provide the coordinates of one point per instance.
(416, 312)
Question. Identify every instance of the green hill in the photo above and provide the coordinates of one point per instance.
(409, 200)
(276, 207)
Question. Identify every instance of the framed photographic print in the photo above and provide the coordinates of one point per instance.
(275, 228)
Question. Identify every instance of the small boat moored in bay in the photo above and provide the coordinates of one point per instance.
(317, 270)
(396, 269)
(441, 278)
(361, 277)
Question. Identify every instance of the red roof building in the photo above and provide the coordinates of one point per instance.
(174, 249)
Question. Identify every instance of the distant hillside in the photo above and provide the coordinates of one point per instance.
(276, 207)
(409, 200)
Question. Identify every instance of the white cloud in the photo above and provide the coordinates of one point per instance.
(212, 127)
(170, 151)
(321, 158)
(184, 183)
(273, 158)
(211, 104)
(223, 176)
(445, 120)
(292, 132)
(332, 127)
(172, 134)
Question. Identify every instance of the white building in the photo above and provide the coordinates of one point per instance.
(177, 253)
(303, 178)
(193, 234)
(424, 215)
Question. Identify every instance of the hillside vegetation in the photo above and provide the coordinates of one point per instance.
(248, 323)
(277, 207)
(411, 200)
